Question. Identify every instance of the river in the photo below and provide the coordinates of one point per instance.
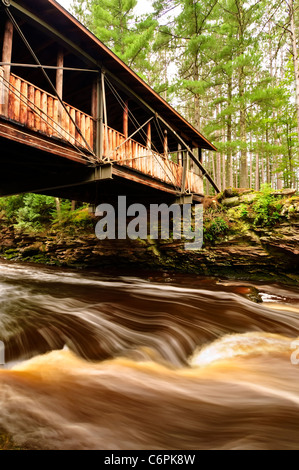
(96, 361)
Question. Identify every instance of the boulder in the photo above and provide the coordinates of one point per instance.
(229, 192)
(248, 198)
(233, 192)
(283, 192)
(231, 202)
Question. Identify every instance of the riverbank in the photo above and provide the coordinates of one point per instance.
(247, 235)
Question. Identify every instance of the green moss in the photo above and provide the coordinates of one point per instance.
(215, 227)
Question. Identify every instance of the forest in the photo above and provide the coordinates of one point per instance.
(229, 66)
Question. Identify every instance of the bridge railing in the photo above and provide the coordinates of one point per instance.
(141, 158)
(42, 112)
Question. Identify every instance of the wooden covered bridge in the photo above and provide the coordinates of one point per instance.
(77, 123)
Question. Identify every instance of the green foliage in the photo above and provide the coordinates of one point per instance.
(266, 208)
(65, 206)
(73, 221)
(232, 75)
(243, 210)
(35, 212)
(9, 206)
(214, 227)
(115, 23)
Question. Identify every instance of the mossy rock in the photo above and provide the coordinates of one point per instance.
(231, 202)
(230, 192)
(248, 198)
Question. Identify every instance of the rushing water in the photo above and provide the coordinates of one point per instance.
(97, 362)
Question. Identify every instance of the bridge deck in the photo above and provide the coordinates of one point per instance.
(43, 115)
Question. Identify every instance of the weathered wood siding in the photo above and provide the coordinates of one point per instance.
(41, 112)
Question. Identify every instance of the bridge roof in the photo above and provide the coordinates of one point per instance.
(61, 21)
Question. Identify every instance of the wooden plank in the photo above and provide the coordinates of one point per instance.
(2, 90)
(55, 117)
(59, 83)
(125, 119)
(30, 114)
(17, 101)
(104, 142)
(126, 126)
(78, 124)
(149, 135)
(72, 125)
(44, 107)
(11, 98)
(109, 143)
(130, 150)
(165, 144)
(94, 113)
(23, 107)
(83, 130)
(38, 114)
(113, 146)
(89, 131)
(117, 154)
(11, 132)
(64, 123)
(50, 106)
(146, 162)
(59, 73)
(6, 57)
(132, 175)
(152, 162)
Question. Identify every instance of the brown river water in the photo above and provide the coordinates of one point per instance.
(96, 361)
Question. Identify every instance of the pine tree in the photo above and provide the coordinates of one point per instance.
(234, 77)
(115, 23)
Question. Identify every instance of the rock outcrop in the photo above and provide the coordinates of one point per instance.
(244, 250)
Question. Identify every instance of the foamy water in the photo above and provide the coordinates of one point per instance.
(127, 363)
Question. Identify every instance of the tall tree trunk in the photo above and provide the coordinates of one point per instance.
(250, 170)
(229, 163)
(295, 59)
(207, 164)
(6, 57)
(218, 158)
(268, 178)
(223, 172)
(58, 208)
(213, 167)
(243, 160)
(257, 172)
(223, 162)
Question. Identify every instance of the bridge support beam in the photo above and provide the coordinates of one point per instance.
(6, 58)
(184, 199)
(184, 174)
(126, 123)
(48, 181)
(165, 144)
(59, 83)
(149, 135)
(126, 119)
(97, 114)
